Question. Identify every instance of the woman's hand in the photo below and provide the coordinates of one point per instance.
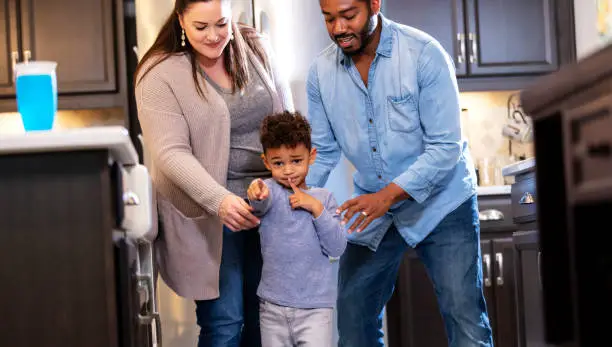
(236, 214)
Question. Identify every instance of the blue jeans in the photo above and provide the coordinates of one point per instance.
(232, 320)
(451, 255)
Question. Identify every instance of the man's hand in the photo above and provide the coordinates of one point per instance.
(370, 206)
(258, 190)
(301, 199)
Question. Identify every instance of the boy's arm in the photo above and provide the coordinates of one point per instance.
(256, 189)
(260, 207)
(330, 232)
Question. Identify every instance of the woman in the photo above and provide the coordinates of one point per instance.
(202, 90)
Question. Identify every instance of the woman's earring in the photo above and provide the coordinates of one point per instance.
(231, 36)
(182, 37)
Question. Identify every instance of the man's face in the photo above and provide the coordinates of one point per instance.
(349, 22)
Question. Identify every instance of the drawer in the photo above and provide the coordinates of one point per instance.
(589, 151)
(524, 198)
(495, 213)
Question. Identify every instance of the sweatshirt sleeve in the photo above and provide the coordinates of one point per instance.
(167, 139)
(330, 232)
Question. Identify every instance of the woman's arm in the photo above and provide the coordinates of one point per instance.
(166, 136)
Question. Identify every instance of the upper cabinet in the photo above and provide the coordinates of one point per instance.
(82, 36)
(495, 44)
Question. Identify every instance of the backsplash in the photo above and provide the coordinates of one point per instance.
(483, 122)
(10, 123)
(486, 114)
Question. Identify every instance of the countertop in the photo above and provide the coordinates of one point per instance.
(114, 138)
(493, 190)
(519, 167)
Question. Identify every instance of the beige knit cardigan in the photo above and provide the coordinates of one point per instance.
(186, 141)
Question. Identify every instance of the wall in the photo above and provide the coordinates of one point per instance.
(587, 21)
(483, 122)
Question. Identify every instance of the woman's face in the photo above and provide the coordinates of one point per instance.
(207, 26)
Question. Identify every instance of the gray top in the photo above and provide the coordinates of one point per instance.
(247, 111)
(298, 249)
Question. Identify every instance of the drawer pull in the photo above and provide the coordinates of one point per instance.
(527, 199)
(490, 215)
(499, 259)
(487, 271)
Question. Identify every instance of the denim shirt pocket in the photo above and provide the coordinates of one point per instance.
(403, 113)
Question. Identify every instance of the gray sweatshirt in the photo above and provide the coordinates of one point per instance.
(298, 249)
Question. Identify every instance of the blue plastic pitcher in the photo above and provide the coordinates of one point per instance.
(36, 85)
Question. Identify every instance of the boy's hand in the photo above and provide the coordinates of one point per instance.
(301, 199)
(258, 190)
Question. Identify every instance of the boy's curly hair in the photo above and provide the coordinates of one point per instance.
(285, 129)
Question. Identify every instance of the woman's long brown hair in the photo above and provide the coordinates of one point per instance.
(168, 43)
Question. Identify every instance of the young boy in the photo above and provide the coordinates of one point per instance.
(300, 234)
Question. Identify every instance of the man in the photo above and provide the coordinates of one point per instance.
(386, 96)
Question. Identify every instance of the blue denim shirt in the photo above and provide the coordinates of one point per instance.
(403, 127)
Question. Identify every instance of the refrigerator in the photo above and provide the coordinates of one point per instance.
(297, 32)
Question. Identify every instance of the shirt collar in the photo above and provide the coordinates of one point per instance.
(385, 45)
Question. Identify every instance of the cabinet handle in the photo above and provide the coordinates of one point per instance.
(474, 53)
(27, 55)
(461, 56)
(487, 261)
(540, 270)
(14, 58)
(499, 259)
(490, 215)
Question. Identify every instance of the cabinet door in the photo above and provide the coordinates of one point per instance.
(8, 45)
(505, 312)
(486, 251)
(414, 318)
(442, 19)
(529, 304)
(511, 36)
(79, 37)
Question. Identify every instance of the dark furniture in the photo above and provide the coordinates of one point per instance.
(69, 274)
(495, 45)
(572, 111)
(413, 316)
(85, 38)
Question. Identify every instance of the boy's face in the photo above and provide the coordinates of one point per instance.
(289, 163)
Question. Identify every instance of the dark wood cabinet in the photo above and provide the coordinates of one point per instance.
(8, 45)
(529, 289)
(413, 315)
(442, 19)
(83, 46)
(495, 44)
(83, 36)
(511, 36)
(413, 311)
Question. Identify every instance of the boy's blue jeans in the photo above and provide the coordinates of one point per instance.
(451, 255)
(232, 320)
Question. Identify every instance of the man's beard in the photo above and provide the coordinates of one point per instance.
(365, 34)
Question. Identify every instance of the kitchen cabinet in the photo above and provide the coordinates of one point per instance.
(500, 44)
(413, 317)
(73, 221)
(572, 116)
(529, 289)
(82, 36)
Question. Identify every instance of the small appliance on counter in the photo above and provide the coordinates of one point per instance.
(76, 208)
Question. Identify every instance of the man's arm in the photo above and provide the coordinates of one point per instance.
(323, 138)
(439, 112)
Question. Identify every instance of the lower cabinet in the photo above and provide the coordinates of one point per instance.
(529, 290)
(413, 315)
